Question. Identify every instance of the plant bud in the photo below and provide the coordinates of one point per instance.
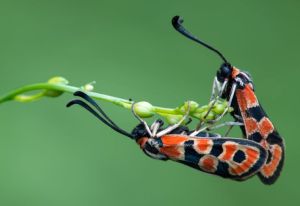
(193, 106)
(202, 109)
(225, 103)
(210, 115)
(88, 87)
(55, 80)
(58, 80)
(219, 108)
(172, 119)
(143, 109)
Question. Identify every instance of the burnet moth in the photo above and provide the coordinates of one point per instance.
(237, 87)
(233, 158)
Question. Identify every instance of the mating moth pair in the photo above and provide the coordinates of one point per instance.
(261, 152)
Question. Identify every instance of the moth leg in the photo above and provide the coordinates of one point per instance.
(155, 126)
(229, 124)
(238, 118)
(225, 124)
(188, 121)
(228, 130)
(232, 92)
(215, 89)
(220, 92)
(209, 128)
(174, 126)
(141, 120)
(206, 134)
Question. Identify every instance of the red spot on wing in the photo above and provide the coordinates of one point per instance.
(239, 168)
(265, 127)
(229, 149)
(208, 163)
(246, 98)
(241, 100)
(250, 125)
(173, 139)
(172, 145)
(203, 145)
(269, 168)
(171, 151)
(250, 96)
(252, 156)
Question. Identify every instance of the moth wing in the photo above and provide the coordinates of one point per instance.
(226, 157)
(273, 167)
(260, 129)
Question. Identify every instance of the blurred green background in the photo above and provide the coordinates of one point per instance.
(50, 155)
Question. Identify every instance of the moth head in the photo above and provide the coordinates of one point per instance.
(224, 72)
(139, 132)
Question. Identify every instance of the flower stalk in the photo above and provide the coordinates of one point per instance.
(56, 86)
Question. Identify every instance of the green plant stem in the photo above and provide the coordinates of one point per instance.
(18, 95)
(59, 85)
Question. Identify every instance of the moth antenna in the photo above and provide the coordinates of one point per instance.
(88, 108)
(177, 22)
(92, 102)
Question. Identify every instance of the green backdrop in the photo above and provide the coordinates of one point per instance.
(53, 156)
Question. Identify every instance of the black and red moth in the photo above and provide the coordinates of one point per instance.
(237, 87)
(237, 159)
(261, 152)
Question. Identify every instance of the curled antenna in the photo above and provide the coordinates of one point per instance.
(105, 119)
(177, 24)
(92, 102)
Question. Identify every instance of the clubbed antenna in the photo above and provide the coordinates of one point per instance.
(101, 115)
(177, 24)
